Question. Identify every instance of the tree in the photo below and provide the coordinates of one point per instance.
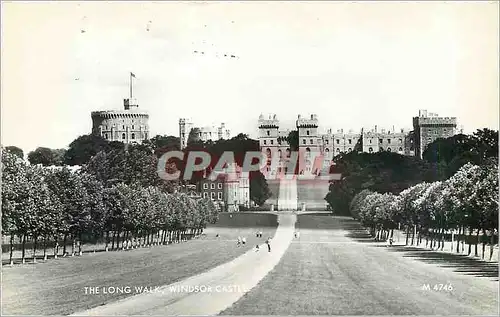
(382, 172)
(46, 156)
(83, 148)
(16, 151)
(293, 140)
(163, 143)
(134, 166)
(454, 152)
(194, 137)
(259, 189)
(14, 193)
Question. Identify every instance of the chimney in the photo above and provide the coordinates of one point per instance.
(375, 128)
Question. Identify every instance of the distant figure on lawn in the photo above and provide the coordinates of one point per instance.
(257, 248)
(389, 242)
(244, 240)
(217, 235)
(268, 242)
(297, 234)
(260, 234)
(239, 242)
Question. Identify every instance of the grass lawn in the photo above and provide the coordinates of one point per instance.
(325, 272)
(58, 286)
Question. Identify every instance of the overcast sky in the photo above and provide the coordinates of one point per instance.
(353, 64)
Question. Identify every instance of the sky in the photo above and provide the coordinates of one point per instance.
(353, 64)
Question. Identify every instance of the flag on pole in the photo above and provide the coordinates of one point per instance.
(132, 74)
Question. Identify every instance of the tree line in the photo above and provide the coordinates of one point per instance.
(465, 204)
(124, 207)
(386, 172)
(96, 152)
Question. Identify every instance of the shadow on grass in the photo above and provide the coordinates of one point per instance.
(461, 263)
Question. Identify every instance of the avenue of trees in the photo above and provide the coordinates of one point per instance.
(114, 198)
(386, 172)
(454, 188)
(112, 162)
(466, 203)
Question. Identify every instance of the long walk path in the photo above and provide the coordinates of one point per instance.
(218, 288)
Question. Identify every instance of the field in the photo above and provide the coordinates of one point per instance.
(58, 286)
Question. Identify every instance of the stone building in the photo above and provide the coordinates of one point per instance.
(273, 143)
(129, 125)
(229, 189)
(236, 188)
(428, 127)
(384, 140)
(205, 133)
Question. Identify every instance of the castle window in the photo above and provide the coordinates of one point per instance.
(212, 186)
(400, 140)
(219, 196)
(133, 127)
(280, 154)
(265, 141)
(133, 136)
(400, 149)
(380, 141)
(268, 133)
(349, 150)
(106, 136)
(123, 127)
(123, 136)
(212, 195)
(205, 186)
(350, 141)
(338, 141)
(388, 149)
(146, 135)
(304, 141)
(288, 153)
(205, 195)
(389, 141)
(326, 141)
(219, 185)
(307, 132)
(311, 141)
(370, 141)
(370, 150)
(380, 149)
(272, 142)
(338, 150)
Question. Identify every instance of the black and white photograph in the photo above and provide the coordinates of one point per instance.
(260, 158)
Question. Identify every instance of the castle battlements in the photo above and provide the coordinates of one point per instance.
(311, 122)
(450, 121)
(129, 125)
(271, 122)
(117, 114)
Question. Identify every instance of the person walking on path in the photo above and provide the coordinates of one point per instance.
(239, 242)
(268, 242)
(244, 240)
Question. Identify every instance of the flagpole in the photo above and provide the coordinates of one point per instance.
(130, 87)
